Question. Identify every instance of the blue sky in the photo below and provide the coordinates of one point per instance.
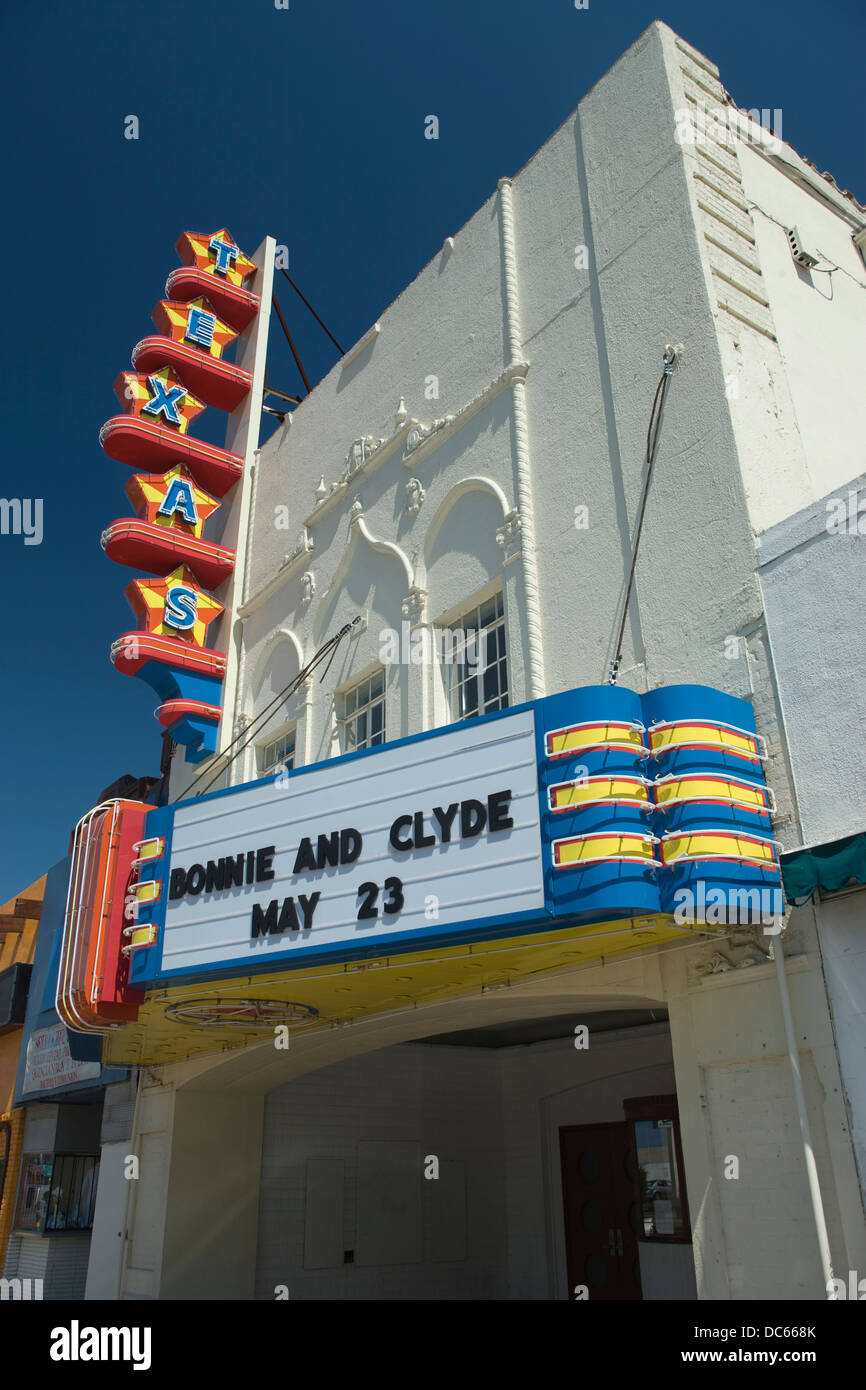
(307, 124)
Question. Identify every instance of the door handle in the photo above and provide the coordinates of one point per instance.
(611, 1241)
(619, 1241)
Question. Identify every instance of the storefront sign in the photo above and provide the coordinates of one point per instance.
(49, 1065)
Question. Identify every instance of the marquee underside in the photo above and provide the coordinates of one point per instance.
(343, 993)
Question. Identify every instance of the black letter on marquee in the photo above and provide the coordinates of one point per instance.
(395, 833)
(197, 870)
(234, 872)
(469, 828)
(328, 850)
(350, 845)
(215, 875)
(308, 907)
(263, 863)
(446, 820)
(305, 858)
(497, 811)
(422, 841)
(367, 911)
(264, 922)
(177, 885)
(288, 916)
(251, 865)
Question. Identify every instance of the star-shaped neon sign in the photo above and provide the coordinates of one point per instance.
(196, 323)
(175, 606)
(213, 252)
(159, 397)
(172, 499)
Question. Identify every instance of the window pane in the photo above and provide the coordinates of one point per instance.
(364, 713)
(33, 1194)
(661, 1198)
(491, 686)
(478, 678)
(469, 694)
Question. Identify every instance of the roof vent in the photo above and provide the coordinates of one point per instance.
(803, 258)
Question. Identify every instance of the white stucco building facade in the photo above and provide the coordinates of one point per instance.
(477, 459)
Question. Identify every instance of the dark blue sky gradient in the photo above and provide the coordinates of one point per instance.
(306, 124)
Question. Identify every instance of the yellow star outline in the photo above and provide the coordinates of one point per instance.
(148, 600)
(194, 249)
(171, 318)
(147, 492)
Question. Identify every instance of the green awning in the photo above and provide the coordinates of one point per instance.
(831, 867)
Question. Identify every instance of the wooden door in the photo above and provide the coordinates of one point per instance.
(601, 1214)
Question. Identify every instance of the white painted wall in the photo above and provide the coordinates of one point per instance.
(754, 1233)
(496, 1116)
(813, 579)
(106, 1238)
(593, 340)
(842, 929)
(820, 322)
(212, 1201)
(444, 1101)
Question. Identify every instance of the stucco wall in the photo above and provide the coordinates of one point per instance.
(492, 1116)
(593, 340)
(813, 580)
(842, 924)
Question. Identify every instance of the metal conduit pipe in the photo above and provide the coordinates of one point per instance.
(805, 1132)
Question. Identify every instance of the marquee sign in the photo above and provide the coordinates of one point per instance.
(593, 806)
(179, 372)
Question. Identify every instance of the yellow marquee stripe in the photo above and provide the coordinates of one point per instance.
(566, 794)
(706, 842)
(142, 936)
(675, 735)
(560, 742)
(148, 892)
(586, 848)
(698, 788)
(150, 849)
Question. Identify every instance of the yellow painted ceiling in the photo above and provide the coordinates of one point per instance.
(356, 989)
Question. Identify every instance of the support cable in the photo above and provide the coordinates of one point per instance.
(671, 357)
(246, 735)
(291, 342)
(341, 351)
